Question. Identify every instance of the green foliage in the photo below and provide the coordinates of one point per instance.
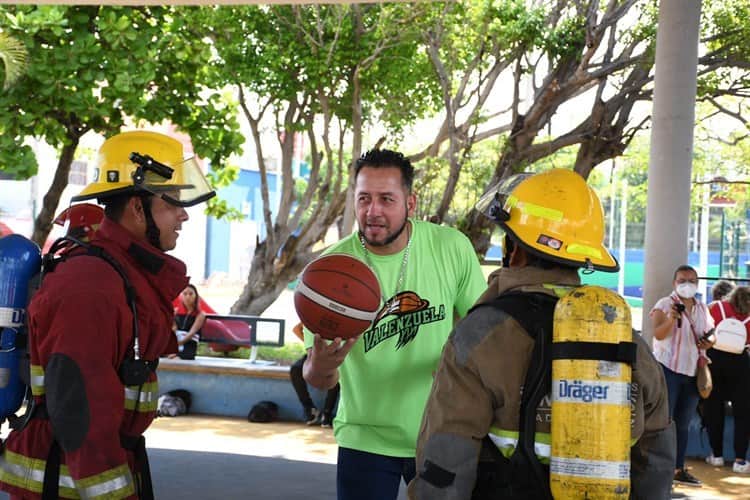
(432, 175)
(96, 68)
(725, 26)
(566, 40)
(710, 160)
(290, 53)
(13, 56)
(218, 207)
(564, 158)
(726, 32)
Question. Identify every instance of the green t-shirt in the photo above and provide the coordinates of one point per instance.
(386, 377)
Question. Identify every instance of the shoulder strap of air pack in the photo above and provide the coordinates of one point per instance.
(527, 477)
(50, 261)
(133, 371)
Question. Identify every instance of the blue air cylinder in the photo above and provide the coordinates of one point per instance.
(20, 261)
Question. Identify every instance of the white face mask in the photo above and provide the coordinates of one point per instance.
(686, 290)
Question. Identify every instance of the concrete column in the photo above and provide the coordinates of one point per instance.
(670, 165)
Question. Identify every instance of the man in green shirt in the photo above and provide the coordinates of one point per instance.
(429, 275)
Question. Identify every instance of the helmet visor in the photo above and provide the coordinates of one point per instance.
(493, 203)
(187, 186)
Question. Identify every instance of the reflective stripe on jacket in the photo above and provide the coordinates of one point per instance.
(28, 474)
(507, 441)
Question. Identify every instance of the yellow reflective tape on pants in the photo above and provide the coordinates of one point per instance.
(37, 380)
(143, 398)
(28, 473)
(113, 483)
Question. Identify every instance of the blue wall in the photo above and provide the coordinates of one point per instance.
(218, 386)
(245, 191)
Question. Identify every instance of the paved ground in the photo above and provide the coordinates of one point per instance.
(229, 458)
(204, 457)
(718, 483)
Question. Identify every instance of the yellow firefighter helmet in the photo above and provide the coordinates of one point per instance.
(554, 215)
(147, 161)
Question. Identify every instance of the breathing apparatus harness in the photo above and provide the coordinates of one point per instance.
(133, 371)
(523, 475)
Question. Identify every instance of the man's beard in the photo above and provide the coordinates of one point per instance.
(390, 239)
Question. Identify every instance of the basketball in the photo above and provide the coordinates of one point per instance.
(337, 296)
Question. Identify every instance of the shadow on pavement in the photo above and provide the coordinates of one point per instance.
(195, 474)
(719, 483)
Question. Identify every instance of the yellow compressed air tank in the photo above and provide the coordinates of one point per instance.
(590, 455)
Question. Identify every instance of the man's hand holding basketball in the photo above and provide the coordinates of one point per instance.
(321, 368)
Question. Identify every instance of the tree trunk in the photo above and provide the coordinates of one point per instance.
(263, 284)
(43, 222)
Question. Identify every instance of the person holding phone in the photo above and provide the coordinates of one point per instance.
(682, 334)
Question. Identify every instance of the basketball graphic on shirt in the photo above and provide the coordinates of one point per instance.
(401, 303)
(337, 296)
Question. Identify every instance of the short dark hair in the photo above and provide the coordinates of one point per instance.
(740, 300)
(114, 206)
(682, 268)
(382, 158)
(721, 289)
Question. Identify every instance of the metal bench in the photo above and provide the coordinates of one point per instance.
(243, 331)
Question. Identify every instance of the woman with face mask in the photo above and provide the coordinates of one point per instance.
(681, 336)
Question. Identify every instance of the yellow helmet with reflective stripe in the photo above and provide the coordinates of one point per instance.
(147, 161)
(554, 215)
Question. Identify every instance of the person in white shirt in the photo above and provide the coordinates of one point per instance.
(682, 326)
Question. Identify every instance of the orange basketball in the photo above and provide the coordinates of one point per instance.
(337, 296)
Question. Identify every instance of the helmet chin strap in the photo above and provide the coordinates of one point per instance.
(508, 246)
(152, 231)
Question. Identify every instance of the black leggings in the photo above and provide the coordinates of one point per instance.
(188, 350)
(300, 387)
(731, 379)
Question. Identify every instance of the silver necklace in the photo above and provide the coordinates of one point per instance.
(184, 321)
(402, 271)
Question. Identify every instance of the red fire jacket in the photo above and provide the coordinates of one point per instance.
(80, 331)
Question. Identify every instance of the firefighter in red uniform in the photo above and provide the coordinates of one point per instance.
(94, 344)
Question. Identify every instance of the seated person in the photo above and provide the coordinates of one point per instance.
(188, 321)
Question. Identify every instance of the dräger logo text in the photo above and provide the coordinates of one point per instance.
(577, 390)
